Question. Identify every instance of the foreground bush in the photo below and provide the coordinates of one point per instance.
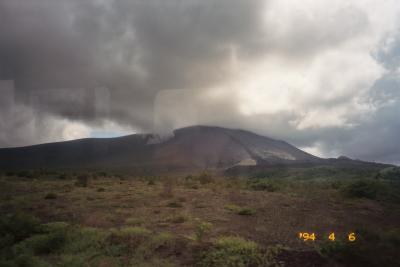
(391, 173)
(23, 239)
(369, 189)
(42, 244)
(372, 249)
(233, 252)
(17, 227)
(202, 228)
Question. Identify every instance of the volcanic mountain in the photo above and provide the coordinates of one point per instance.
(191, 148)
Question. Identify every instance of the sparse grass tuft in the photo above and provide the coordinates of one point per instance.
(202, 228)
(240, 210)
(178, 219)
(134, 231)
(42, 243)
(246, 211)
(232, 207)
(134, 221)
(232, 251)
(174, 204)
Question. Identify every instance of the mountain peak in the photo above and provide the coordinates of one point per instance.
(193, 147)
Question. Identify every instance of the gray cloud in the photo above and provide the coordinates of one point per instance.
(79, 65)
(135, 48)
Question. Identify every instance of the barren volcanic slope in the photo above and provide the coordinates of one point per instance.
(197, 147)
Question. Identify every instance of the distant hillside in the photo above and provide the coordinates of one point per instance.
(191, 148)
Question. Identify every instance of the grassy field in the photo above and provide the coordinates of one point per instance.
(102, 219)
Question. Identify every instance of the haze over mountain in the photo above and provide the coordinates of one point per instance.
(191, 148)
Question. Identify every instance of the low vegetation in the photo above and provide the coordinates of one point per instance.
(381, 190)
(373, 248)
(60, 218)
(233, 251)
(265, 185)
(202, 228)
(240, 210)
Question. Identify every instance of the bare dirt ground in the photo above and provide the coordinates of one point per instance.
(276, 217)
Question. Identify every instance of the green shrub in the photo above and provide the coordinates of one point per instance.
(232, 252)
(391, 173)
(128, 239)
(55, 226)
(371, 248)
(174, 204)
(232, 207)
(25, 238)
(178, 219)
(134, 221)
(263, 185)
(336, 184)
(201, 229)
(42, 244)
(142, 245)
(332, 248)
(134, 231)
(240, 210)
(73, 260)
(84, 240)
(24, 260)
(147, 252)
(17, 227)
(364, 189)
(246, 211)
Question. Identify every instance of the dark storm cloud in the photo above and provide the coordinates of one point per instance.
(134, 48)
(90, 61)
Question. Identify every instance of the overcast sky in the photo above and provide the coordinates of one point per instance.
(322, 75)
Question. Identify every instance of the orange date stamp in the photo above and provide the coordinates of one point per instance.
(310, 236)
